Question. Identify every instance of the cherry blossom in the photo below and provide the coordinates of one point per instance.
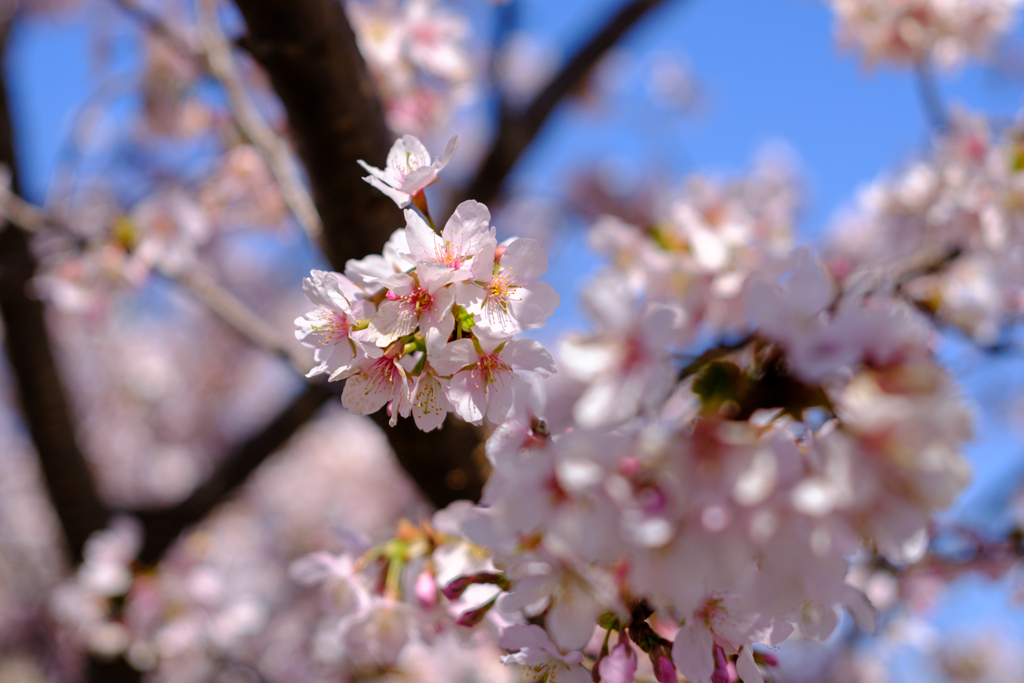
(482, 372)
(449, 257)
(506, 296)
(328, 328)
(539, 657)
(409, 169)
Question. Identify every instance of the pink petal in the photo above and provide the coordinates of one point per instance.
(692, 653)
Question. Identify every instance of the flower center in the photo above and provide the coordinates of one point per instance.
(450, 254)
(383, 371)
(330, 327)
(488, 370)
(500, 290)
(419, 300)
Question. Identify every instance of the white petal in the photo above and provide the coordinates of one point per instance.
(529, 354)
(469, 222)
(400, 198)
(365, 393)
(419, 179)
(692, 653)
(746, 668)
(500, 394)
(535, 303)
(453, 357)
(525, 259)
(572, 618)
(436, 334)
(449, 151)
(421, 239)
(466, 399)
(430, 404)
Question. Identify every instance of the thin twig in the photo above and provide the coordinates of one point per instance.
(215, 59)
(192, 278)
(198, 282)
(274, 149)
(160, 28)
(931, 98)
(517, 131)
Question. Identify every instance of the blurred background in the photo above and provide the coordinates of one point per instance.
(162, 212)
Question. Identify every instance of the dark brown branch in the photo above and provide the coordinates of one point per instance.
(69, 481)
(447, 466)
(309, 51)
(163, 526)
(517, 130)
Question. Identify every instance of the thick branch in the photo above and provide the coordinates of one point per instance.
(516, 131)
(40, 390)
(309, 51)
(274, 149)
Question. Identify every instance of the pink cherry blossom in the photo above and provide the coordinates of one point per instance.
(482, 374)
(449, 257)
(508, 298)
(541, 658)
(407, 307)
(375, 381)
(328, 328)
(409, 169)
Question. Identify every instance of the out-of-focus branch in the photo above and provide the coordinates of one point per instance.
(160, 28)
(252, 125)
(162, 527)
(931, 98)
(193, 278)
(68, 479)
(517, 130)
(198, 282)
(215, 59)
(310, 54)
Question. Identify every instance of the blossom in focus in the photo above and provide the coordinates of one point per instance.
(328, 328)
(409, 306)
(409, 169)
(506, 296)
(450, 256)
(482, 375)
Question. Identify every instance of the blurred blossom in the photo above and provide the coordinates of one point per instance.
(918, 31)
(525, 65)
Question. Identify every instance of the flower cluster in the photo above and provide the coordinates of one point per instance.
(690, 518)
(916, 31)
(415, 50)
(947, 231)
(722, 519)
(430, 325)
(688, 269)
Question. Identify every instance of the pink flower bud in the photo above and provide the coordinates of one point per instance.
(455, 589)
(426, 589)
(664, 669)
(619, 666)
(475, 616)
(722, 673)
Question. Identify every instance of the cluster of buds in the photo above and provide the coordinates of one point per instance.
(430, 325)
